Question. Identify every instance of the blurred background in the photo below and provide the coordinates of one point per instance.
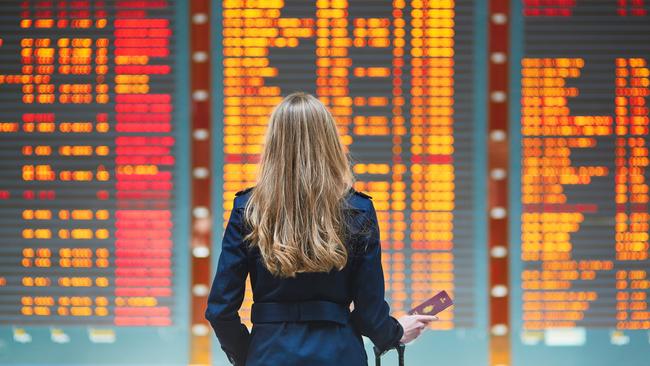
(504, 144)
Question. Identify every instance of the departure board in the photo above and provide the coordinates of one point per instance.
(399, 78)
(91, 205)
(582, 267)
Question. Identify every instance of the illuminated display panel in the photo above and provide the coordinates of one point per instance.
(89, 139)
(583, 190)
(398, 77)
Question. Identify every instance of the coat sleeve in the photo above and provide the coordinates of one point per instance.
(371, 311)
(227, 292)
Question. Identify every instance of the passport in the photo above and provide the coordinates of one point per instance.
(434, 305)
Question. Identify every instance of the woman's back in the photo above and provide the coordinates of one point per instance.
(303, 320)
(332, 286)
(311, 245)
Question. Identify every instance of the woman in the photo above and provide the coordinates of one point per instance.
(311, 245)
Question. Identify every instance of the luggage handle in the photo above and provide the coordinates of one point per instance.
(400, 354)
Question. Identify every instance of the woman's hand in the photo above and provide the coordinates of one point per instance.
(414, 325)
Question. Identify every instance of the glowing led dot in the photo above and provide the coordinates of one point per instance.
(200, 56)
(499, 329)
(200, 212)
(499, 251)
(498, 57)
(499, 291)
(200, 290)
(199, 18)
(200, 134)
(200, 172)
(498, 174)
(499, 18)
(498, 213)
(498, 96)
(201, 251)
(200, 329)
(200, 95)
(498, 135)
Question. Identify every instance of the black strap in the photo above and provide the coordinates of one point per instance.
(270, 312)
(400, 354)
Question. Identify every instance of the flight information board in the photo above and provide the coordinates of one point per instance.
(581, 266)
(91, 201)
(400, 79)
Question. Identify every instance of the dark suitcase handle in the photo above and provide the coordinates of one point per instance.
(400, 354)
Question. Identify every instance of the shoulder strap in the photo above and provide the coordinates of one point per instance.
(363, 194)
(243, 191)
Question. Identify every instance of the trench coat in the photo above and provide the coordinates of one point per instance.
(304, 320)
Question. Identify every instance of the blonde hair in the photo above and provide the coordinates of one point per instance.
(296, 209)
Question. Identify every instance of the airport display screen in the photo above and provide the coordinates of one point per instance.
(581, 129)
(92, 206)
(400, 78)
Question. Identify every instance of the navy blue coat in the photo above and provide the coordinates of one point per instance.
(303, 320)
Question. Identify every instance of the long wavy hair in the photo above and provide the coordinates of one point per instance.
(296, 210)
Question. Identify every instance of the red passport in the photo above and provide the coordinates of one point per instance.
(434, 305)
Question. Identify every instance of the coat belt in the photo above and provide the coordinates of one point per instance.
(271, 312)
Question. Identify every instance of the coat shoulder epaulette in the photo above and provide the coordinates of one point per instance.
(363, 194)
(243, 191)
